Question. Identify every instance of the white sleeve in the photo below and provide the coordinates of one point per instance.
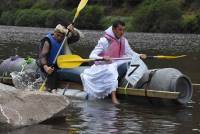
(129, 51)
(99, 48)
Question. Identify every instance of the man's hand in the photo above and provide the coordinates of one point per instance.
(70, 27)
(48, 70)
(143, 56)
(107, 58)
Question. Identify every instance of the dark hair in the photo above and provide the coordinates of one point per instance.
(117, 23)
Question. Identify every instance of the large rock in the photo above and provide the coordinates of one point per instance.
(23, 108)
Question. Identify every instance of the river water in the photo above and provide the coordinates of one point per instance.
(128, 117)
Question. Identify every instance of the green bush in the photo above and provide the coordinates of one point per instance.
(117, 3)
(55, 17)
(195, 5)
(67, 4)
(191, 3)
(189, 23)
(41, 18)
(159, 16)
(24, 4)
(132, 3)
(30, 17)
(43, 4)
(108, 20)
(7, 5)
(90, 18)
(7, 18)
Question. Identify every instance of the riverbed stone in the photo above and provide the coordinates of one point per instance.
(138, 41)
(22, 108)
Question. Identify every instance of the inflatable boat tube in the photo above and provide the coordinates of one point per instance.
(73, 75)
(16, 63)
(166, 79)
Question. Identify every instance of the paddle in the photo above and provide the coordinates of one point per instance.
(165, 57)
(72, 61)
(80, 7)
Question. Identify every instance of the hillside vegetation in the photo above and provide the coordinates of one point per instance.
(160, 16)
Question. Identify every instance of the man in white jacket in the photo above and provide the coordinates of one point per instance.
(113, 45)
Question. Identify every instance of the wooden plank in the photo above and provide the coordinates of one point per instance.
(196, 86)
(6, 80)
(150, 93)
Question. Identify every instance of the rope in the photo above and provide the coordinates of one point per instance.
(125, 88)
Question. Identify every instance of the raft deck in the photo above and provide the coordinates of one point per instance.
(76, 90)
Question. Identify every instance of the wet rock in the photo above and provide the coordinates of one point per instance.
(22, 108)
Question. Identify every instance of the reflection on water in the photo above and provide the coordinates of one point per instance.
(104, 117)
(129, 117)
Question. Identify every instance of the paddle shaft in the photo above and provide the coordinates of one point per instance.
(165, 57)
(125, 58)
(72, 61)
(80, 7)
(89, 60)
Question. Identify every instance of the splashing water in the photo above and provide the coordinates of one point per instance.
(27, 79)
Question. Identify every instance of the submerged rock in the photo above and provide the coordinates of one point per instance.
(22, 108)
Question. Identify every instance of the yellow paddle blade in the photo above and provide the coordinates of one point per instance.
(168, 57)
(70, 61)
(80, 7)
(42, 88)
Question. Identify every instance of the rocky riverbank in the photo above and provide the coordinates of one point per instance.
(139, 41)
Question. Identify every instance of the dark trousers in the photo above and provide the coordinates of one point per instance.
(52, 79)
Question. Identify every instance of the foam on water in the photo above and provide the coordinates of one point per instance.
(26, 80)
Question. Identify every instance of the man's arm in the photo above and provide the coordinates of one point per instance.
(43, 58)
(129, 51)
(99, 48)
(73, 36)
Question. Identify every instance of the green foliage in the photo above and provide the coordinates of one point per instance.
(30, 17)
(7, 5)
(90, 18)
(191, 5)
(54, 17)
(67, 4)
(7, 18)
(132, 3)
(42, 4)
(191, 24)
(107, 21)
(117, 3)
(159, 16)
(146, 15)
(23, 4)
(195, 5)
(38, 17)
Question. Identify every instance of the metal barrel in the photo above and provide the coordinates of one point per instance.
(168, 79)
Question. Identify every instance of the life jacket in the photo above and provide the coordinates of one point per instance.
(54, 47)
(116, 47)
